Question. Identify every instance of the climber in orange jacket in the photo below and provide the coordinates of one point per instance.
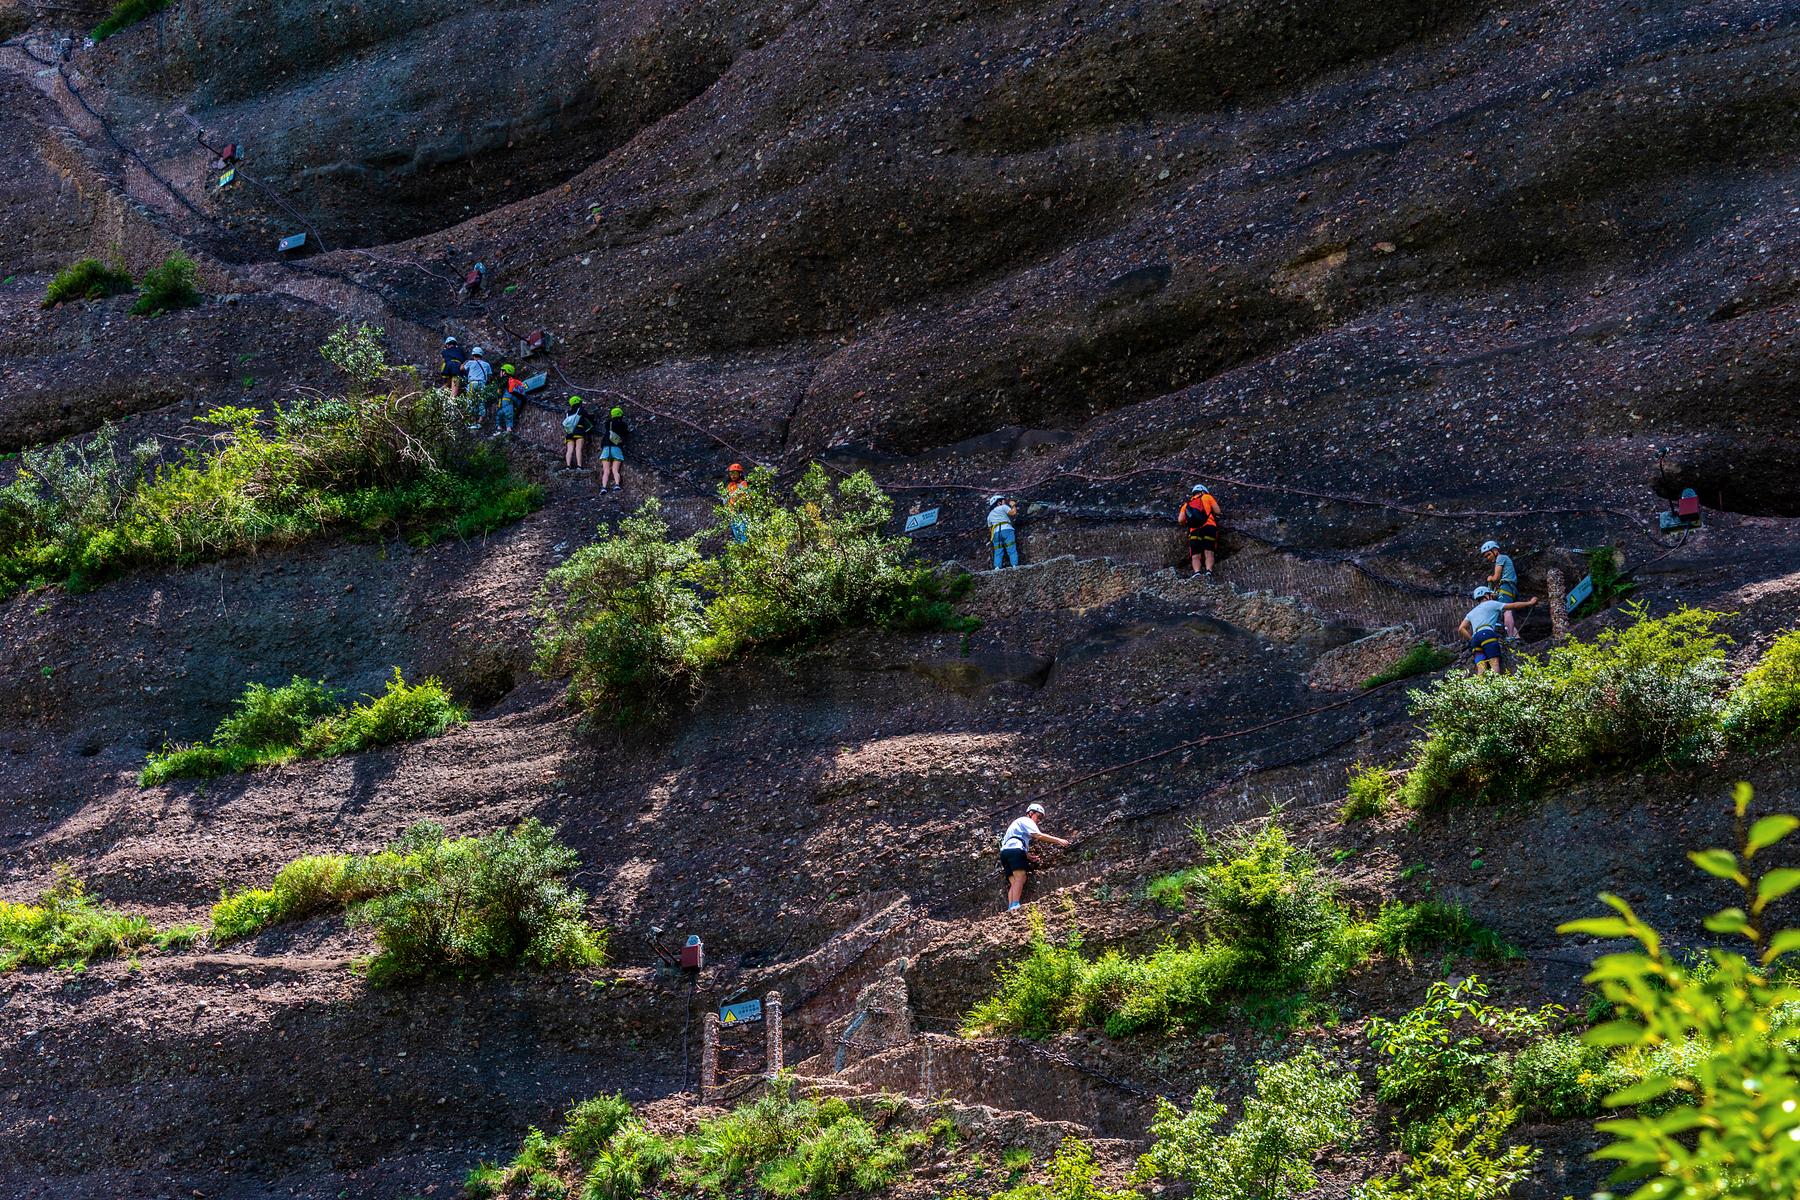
(1200, 517)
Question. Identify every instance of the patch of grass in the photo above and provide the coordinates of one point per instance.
(171, 284)
(304, 717)
(127, 13)
(1073, 1175)
(1649, 691)
(1370, 790)
(314, 883)
(1171, 890)
(82, 511)
(636, 620)
(1405, 929)
(86, 279)
(67, 926)
(1423, 657)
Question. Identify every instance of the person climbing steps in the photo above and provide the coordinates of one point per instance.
(1482, 627)
(1016, 858)
(1504, 580)
(613, 434)
(511, 394)
(1001, 535)
(575, 430)
(1199, 515)
(450, 372)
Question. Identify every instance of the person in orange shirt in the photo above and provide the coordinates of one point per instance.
(1200, 517)
(735, 484)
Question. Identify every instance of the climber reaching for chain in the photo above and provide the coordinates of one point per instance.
(1504, 580)
(1482, 627)
(1016, 858)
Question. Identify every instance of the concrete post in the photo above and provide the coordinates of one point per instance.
(772, 1030)
(709, 1056)
(1559, 608)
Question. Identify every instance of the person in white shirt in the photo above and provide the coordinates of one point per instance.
(478, 371)
(1482, 627)
(1015, 851)
(1001, 512)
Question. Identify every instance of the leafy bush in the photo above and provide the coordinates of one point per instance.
(68, 926)
(1463, 1161)
(1646, 692)
(126, 13)
(1609, 584)
(1171, 890)
(1405, 929)
(86, 279)
(304, 717)
(474, 903)
(1562, 1076)
(588, 1128)
(1765, 705)
(314, 883)
(1447, 1057)
(1299, 1107)
(1074, 1175)
(171, 284)
(1422, 657)
(1370, 789)
(635, 620)
(1735, 1134)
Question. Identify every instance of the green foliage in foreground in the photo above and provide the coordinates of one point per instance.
(1650, 691)
(1298, 1108)
(1422, 657)
(86, 279)
(81, 511)
(171, 284)
(305, 718)
(636, 620)
(127, 13)
(1463, 1161)
(1278, 937)
(1735, 1131)
(778, 1145)
(437, 904)
(67, 926)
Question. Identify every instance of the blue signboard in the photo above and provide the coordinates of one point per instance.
(741, 1013)
(536, 381)
(227, 177)
(292, 241)
(1580, 593)
(921, 520)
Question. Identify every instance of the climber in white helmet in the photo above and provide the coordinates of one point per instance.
(1001, 536)
(1015, 851)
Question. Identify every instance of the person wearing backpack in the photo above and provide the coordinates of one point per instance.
(450, 372)
(1015, 852)
(1200, 517)
(575, 430)
(613, 433)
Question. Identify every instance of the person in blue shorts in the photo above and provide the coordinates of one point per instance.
(1482, 627)
(1504, 580)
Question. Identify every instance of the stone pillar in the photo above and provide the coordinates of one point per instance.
(709, 1056)
(772, 1031)
(1559, 607)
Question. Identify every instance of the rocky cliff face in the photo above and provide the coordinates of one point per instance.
(1391, 277)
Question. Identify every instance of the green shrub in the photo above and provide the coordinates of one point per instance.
(1647, 692)
(126, 13)
(1562, 1076)
(1405, 929)
(1765, 705)
(1369, 791)
(1269, 901)
(1421, 658)
(303, 717)
(634, 620)
(86, 279)
(1299, 1107)
(588, 1128)
(1609, 584)
(1171, 890)
(67, 926)
(632, 1162)
(1463, 1161)
(472, 904)
(1074, 1175)
(1733, 1135)
(171, 284)
(312, 884)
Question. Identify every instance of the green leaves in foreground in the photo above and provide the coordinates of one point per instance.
(1718, 1034)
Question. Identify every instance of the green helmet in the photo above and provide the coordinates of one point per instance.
(618, 412)
(574, 400)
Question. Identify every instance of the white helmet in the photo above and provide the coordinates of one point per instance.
(1482, 591)
(993, 500)
(449, 341)
(475, 353)
(1035, 808)
(1199, 488)
(1489, 545)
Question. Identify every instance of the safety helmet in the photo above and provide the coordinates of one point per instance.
(507, 367)
(475, 353)
(738, 467)
(1199, 488)
(1035, 808)
(1480, 592)
(992, 500)
(1489, 545)
(618, 412)
(574, 400)
(449, 341)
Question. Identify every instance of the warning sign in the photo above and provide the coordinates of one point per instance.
(741, 1013)
(921, 520)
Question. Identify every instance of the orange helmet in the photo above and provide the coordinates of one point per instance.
(738, 467)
